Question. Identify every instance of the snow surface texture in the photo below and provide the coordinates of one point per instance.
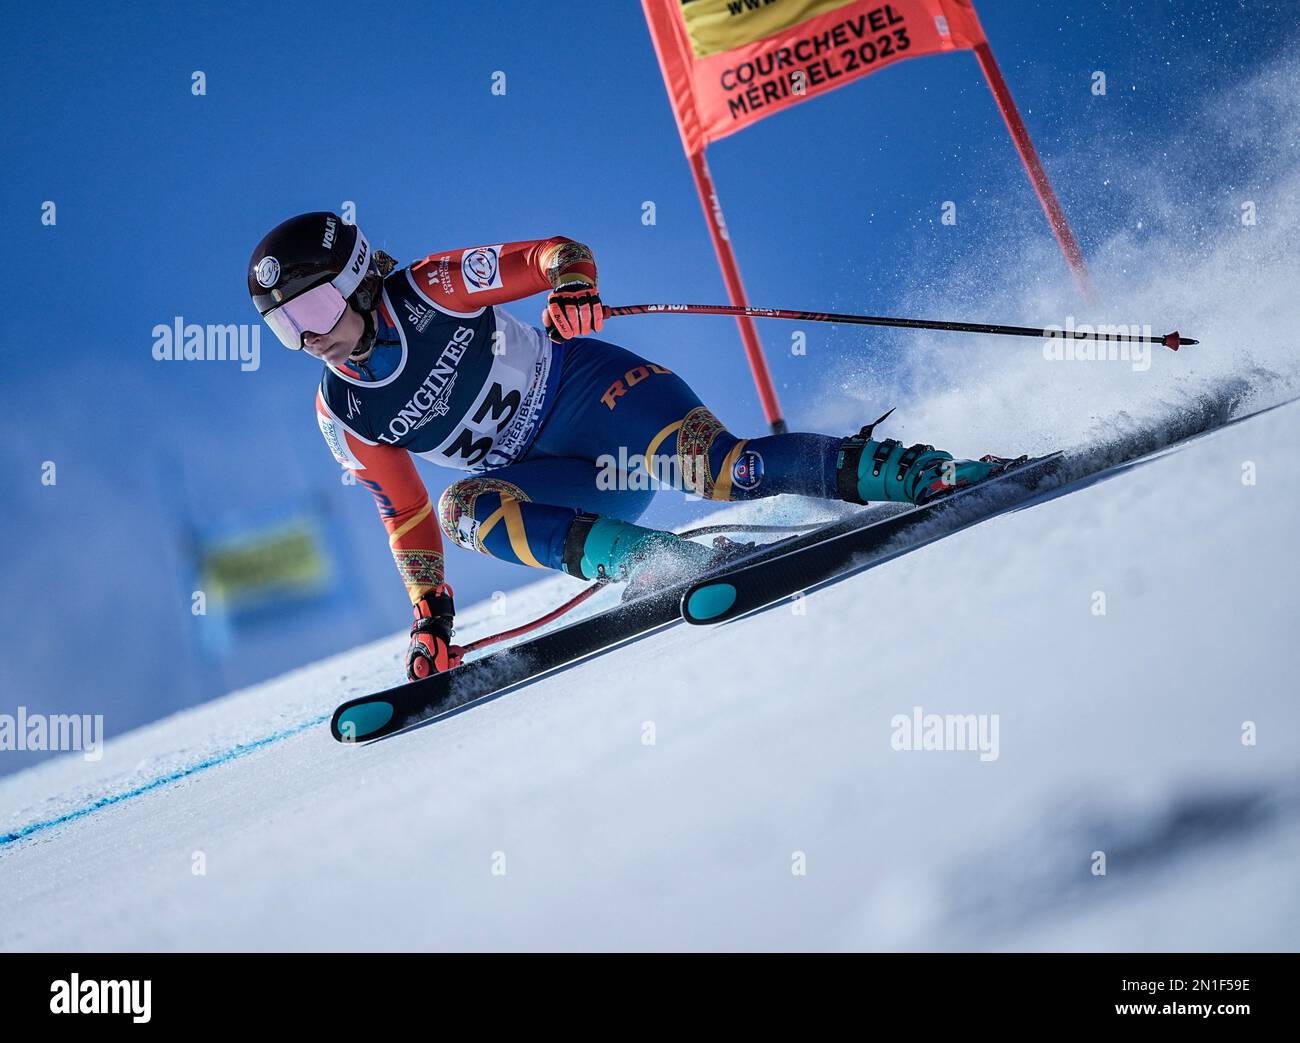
(1119, 733)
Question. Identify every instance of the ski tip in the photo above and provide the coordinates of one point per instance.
(365, 719)
(708, 602)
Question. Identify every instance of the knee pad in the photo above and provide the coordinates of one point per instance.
(459, 513)
(695, 439)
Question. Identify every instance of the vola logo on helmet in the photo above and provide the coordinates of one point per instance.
(363, 250)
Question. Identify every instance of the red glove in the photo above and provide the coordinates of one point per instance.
(573, 310)
(431, 650)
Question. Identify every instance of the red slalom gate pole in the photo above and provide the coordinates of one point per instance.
(1034, 168)
(736, 291)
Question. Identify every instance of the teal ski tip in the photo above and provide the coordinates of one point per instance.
(710, 601)
(354, 723)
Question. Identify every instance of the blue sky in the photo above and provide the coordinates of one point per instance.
(160, 196)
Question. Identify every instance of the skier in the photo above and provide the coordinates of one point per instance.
(420, 361)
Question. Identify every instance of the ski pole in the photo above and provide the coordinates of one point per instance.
(540, 621)
(1170, 340)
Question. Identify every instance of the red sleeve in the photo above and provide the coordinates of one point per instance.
(465, 280)
(403, 502)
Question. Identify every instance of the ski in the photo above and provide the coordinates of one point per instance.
(750, 585)
(380, 714)
(383, 713)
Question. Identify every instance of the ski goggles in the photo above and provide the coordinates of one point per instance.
(316, 311)
(320, 308)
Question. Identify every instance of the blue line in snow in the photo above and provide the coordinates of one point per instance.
(235, 753)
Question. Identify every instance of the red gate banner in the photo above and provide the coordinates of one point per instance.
(729, 63)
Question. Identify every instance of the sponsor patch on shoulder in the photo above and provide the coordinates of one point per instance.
(481, 268)
(747, 471)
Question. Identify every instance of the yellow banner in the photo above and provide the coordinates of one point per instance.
(284, 560)
(721, 25)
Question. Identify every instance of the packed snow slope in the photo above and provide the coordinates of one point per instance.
(737, 787)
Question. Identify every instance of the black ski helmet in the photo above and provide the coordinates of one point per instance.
(308, 250)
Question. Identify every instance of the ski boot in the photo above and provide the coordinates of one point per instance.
(645, 559)
(655, 571)
(868, 470)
